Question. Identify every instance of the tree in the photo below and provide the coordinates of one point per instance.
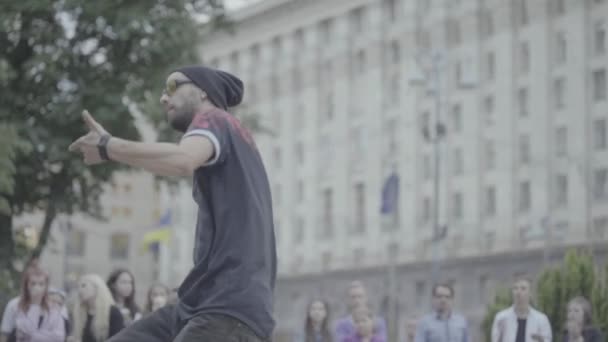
(577, 276)
(58, 57)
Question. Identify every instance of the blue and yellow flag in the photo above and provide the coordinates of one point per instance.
(161, 233)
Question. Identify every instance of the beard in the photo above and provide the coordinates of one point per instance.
(182, 119)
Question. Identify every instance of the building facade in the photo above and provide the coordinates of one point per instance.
(351, 89)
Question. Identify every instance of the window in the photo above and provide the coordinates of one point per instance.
(488, 108)
(276, 193)
(559, 92)
(561, 48)
(299, 151)
(490, 155)
(127, 211)
(327, 210)
(561, 141)
(325, 30)
(600, 226)
(359, 255)
(329, 105)
(255, 54)
(296, 79)
(599, 134)
(395, 89)
(359, 208)
(427, 167)
(277, 157)
(487, 23)
(298, 232)
(525, 195)
(522, 102)
(395, 52)
(356, 20)
(300, 191)
(326, 260)
(119, 246)
(490, 201)
(128, 188)
(457, 206)
(360, 61)
(457, 118)
(522, 12)
(420, 293)
(560, 7)
(426, 210)
(453, 34)
(599, 38)
(599, 85)
(393, 250)
(234, 61)
(490, 66)
(561, 190)
(76, 243)
(483, 288)
(524, 149)
(600, 180)
(457, 162)
(524, 57)
(390, 9)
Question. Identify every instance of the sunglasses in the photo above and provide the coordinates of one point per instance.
(172, 85)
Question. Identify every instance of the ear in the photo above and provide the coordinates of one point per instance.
(203, 95)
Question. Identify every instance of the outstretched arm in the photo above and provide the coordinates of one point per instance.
(165, 159)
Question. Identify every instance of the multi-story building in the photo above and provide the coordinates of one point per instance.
(520, 93)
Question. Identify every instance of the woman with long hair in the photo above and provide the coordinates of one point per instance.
(30, 318)
(95, 317)
(316, 326)
(579, 324)
(158, 296)
(122, 285)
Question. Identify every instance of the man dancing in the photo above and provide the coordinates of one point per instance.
(228, 293)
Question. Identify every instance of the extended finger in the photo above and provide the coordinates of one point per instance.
(90, 122)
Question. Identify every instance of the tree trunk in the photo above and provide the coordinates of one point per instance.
(49, 216)
(7, 252)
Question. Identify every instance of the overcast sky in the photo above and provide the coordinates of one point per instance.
(234, 4)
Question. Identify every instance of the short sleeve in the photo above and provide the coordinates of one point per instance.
(214, 125)
(9, 317)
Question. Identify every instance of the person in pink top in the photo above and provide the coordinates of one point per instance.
(30, 318)
(364, 324)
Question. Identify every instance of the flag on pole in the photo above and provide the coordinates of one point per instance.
(161, 233)
(390, 195)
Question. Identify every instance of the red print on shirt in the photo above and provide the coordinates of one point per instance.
(214, 120)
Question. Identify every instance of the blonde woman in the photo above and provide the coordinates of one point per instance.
(96, 318)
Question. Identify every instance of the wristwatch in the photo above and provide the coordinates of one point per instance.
(102, 145)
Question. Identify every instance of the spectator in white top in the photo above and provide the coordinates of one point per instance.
(521, 322)
(30, 317)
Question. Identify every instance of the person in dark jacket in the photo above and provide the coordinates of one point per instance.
(579, 325)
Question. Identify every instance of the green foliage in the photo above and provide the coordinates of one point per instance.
(58, 57)
(577, 276)
(502, 299)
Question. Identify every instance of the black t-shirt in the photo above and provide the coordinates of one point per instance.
(116, 324)
(235, 254)
(521, 330)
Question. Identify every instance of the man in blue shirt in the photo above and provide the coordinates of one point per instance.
(442, 325)
(228, 293)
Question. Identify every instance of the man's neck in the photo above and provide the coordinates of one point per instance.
(120, 301)
(522, 310)
(316, 327)
(90, 305)
(444, 314)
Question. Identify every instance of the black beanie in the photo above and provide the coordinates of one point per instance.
(224, 89)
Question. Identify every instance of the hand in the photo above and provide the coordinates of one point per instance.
(87, 144)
